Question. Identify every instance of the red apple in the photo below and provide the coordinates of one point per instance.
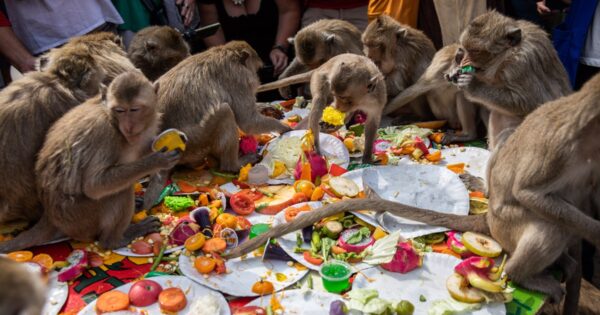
(144, 293)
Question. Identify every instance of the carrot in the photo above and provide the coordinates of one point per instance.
(172, 300)
(476, 194)
(272, 210)
(434, 157)
(312, 260)
(338, 250)
(292, 212)
(203, 200)
(20, 256)
(214, 244)
(442, 248)
(185, 187)
(112, 301)
(317, 194)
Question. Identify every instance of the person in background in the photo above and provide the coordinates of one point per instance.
(264, 24)
(403, 11)
(12, 48)
(45, 24)
(552, 13)
(353, 11)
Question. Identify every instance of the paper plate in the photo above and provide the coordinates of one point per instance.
(58, 292)
(195, 292)
(331, 147)
(243, 274)
(288, 241)
(300, 301)
(302, 112)
(424, 186)
(428, 281)
(356, 177)
(476, 159)
(125, 251)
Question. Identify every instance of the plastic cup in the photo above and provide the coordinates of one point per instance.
(258, 229)
(335, 275)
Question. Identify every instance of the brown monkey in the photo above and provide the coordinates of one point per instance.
(318, 42)
(540, 193)
(446, 101)
(28, 107)
(402, 53)
(106, 49)
(516, 69)
(22, 291)
(208, 96)
(354, 83)
(156, 49)
(87, 167)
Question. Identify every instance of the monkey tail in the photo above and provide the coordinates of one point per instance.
(43, 231)
(476, 223)
(295, 79)
(408, 95)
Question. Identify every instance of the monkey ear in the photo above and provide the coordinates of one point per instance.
(103, 92)
(372, 84)
(514, 36)
(401, 33)
(329, 38)
(291, 40)
(156, 86)
(379, 21)
(42, 62)
(119, 41)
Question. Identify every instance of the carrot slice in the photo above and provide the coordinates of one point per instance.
(442, 248)
(112, 301)
(172, 300)
(20, 256)
(214, 244)
(292, 212)
(477, 194)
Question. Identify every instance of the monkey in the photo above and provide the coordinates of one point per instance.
(354, 83)
(402, 53)
(106, 48)
(208, 96)
(156, 49)
(538, 197)
(28, 107)
(89, 163)
(22, 291)
(447, 102)
(516, 69)
(318, 42)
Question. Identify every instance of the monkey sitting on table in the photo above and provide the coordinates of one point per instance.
(542, 195)
(89, 163)
(354, 83)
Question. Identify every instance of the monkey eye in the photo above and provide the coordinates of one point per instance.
(135, 109)
(120, 110)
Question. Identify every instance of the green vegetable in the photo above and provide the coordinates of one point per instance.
(405, 308)
(299, 250)
(159, 257)
(422, 298)
(315, 243)
(368, 301)
(178, 203)
(358, 236)
(224, 175)
(309, 281)
(383, 250)
(347, 223)
(332, 229)
(326, 244)
(467, 69)
(377, 306)
(269, 310)
(431, 238)
(299, 239)
(261, 206)
(264, 192)
(451, 306)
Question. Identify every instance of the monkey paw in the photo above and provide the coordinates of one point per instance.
(146, 226)
(464, 80)
(473, 183)
(285, 92)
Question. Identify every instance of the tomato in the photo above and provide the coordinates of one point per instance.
(242, 204)
(242, 185)
(304, 186)
(243, 223)
(253, 194)
(227, 220)
(204, 265)
(195, 242)
(312, 260)
(263, 287)
(220, 264)
(336, 170)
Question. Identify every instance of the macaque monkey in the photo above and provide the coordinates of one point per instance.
(156, 49)
(89, 163)
(353, 83)
(106, 49)
(516, 69)
(28, 107)
(541, 183)
(402, 53)
(22, 291)
(318, 42)
(446, 101)
(208, 96)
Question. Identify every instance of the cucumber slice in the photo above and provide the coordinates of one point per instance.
(343, 187)
(459, 289)
(224, 175)
(481, 245)
(332, 229)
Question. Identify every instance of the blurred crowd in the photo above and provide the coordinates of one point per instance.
(30, 28)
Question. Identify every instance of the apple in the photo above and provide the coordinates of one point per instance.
(250, 310)
(144, 293)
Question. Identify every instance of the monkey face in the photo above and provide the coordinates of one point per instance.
(381, 56)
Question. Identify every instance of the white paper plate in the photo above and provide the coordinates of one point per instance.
(125, 251)
(288, 241)
(196, 291)
(424, 186)
(476, 159)
(300, 301)
(429, 281)
(58, 292)
(244, 273)
(302, 112)
(356, 177)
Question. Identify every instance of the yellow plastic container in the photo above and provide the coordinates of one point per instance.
(172, 139)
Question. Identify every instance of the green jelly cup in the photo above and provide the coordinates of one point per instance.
(258, 229)
(335, 275)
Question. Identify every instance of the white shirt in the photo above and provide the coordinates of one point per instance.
(591, 50)
(45, 24)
